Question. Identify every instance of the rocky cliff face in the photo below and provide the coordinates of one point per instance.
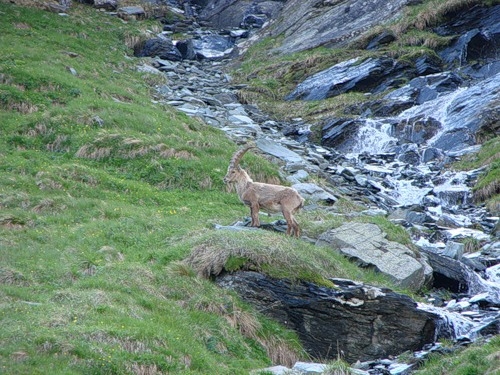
(330, 23)
(304, 24)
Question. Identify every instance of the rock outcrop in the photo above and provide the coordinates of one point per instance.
(353, 320)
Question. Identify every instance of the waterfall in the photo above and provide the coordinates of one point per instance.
(439, 109)
(374, 137)
(453, 192)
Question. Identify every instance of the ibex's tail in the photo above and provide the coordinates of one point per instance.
(235, 160)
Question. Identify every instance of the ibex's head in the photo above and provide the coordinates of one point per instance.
(234, 170)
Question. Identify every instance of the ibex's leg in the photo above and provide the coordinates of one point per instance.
(254, 212)
(289, 222)
(296, 228)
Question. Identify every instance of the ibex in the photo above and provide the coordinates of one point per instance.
(269, 198)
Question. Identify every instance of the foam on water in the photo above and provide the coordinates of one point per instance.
(406, 194)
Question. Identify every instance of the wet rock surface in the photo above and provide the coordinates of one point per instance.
(364, 320)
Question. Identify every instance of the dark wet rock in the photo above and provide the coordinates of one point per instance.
(379, 108)
(422, 89)
(383, 38)
(254, 20)
(409, 154)
(448, 273)
(417, 130)
(213, 47)
(431, 153)
(236, 13)
(339, 132)
(456, 139)
(351, 75)
(160, 47)
(478, 32)
(186, 49)
(426, 65)
(489, 329)
(415, 217)
(357, 319)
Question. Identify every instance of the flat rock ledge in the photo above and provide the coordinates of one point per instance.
(367, 245)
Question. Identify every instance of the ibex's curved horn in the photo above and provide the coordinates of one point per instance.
(235, 160)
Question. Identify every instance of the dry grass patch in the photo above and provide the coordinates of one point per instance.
(437, 9)
(9, 276)
(210, 259)
(127, 344)
(47, 204)
(38, 130)
(116, 145)
(12, 222)
(487, 192)
(45, 182)
(430, 14)
(243, 321)
(24, 108)
(143, 369)
(279, 351)
(271, 253)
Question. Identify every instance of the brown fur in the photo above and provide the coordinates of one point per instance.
(267, 197)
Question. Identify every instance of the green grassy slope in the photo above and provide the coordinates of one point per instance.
(98, 187)
(103, 194)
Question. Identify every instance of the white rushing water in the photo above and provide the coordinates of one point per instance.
(439, 109)
(406, 194)
(452, 325)
(374, 137)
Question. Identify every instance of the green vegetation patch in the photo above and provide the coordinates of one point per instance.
(487, 188)
(481, 358)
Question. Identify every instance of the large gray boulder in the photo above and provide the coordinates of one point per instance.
(366, 243)
(357, 321)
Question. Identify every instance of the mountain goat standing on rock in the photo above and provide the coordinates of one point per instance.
(269, 198)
